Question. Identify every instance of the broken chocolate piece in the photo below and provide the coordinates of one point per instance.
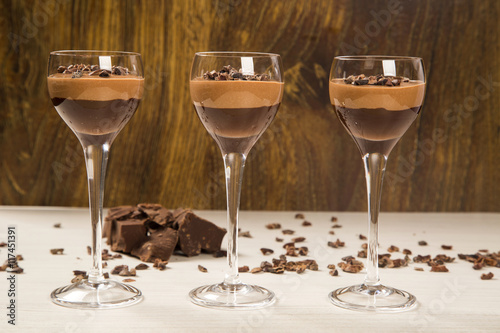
(160, 245)
(197, 234)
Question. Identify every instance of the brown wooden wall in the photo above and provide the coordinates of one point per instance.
(447, 161)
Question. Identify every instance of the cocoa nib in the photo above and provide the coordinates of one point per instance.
(306, 224)
(439, 268)
(202, 269)
(79, 70)
(336, 244)
(56, 251)
(422, 243)
(298, 239)
(488, 276)
(375, 80)
(299, 216)
(228, 73)
(245, 234)
(243, 269)
(266, 251)
(446, 247)
(287, 232)
(273, 226)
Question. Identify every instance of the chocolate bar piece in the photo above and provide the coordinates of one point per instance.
(129, 235)
(157, 213)
(115, 213)
(197, 234)
(160, 245)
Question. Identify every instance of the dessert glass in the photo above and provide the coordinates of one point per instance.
(235, 108)
(376, 110)
(95, 93)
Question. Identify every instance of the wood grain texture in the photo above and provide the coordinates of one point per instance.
(447, 161)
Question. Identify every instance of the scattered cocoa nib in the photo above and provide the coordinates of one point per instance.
(299, 216)
(331, 266)
(482, 259)
(104, 264)
(3, 244)
(273, 226)
(77, 278)
(126, 272)
(298, 239)
(336, 244)
(406, 251)
(336, 226)
(118, 269)
(393, 248)
(202, 269)
(256, 270)
(306, 224)
(287, 232)
(422, 259)
(228, 73)
(279, 239)
(478, 266)
(106, 275)
(220, 253)
(334, 272)
(483, 250)
(375, 80)
(396, 263)
(362, 237)
(420, 269)
(364, 246)
(303, 250)
(245, 234)
(160, 264)
(19, 257)
(350, 265)
(243, 269)
(334, 219)
(488, 276)
(117, 256)
(362, 254)
(446, 247)
(444, 258)
(77, 272)
(57, 225)
(56, 251)
(141, 266)
(422, 243)
(266, 251)
(439, 268)
(128, 280)
(89, 250)
(331, 232)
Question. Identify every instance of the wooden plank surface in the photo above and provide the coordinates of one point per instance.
(456, 301)
(447, 161)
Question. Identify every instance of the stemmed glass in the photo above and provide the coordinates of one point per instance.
(95, 93)
(236, 96)
(376, 98)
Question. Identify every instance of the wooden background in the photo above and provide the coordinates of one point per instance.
(447, 161)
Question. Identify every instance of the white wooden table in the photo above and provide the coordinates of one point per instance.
(457, 301)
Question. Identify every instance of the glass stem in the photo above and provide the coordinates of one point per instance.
(96, 159)
(374, 172)
(234, 164)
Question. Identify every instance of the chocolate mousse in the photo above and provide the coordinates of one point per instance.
(95, 103)
(376, 110)
(236, 108)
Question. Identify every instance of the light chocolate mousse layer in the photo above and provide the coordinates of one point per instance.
(408, 95)
(94, 88)
(236, 94)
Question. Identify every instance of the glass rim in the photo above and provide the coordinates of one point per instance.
(376, 57)
(90, 53)
(235, 54)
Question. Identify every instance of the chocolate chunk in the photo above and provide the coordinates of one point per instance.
(160, 245)
(197, 234)
(128, 235)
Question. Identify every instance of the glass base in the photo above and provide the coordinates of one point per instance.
(377, 298)
(238, 296)
(106, 295)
